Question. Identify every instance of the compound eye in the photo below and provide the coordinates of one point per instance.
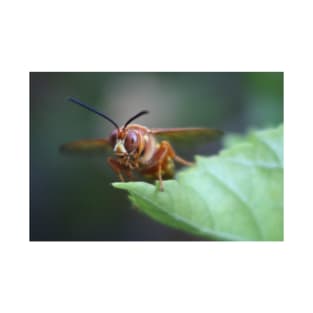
(131, 141)
(113, 138)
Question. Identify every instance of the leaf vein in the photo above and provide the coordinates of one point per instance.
(244, 202)
(270, 148)
(254, 164)
(203, 230)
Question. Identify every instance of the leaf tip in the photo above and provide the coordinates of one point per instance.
(119, 185)
(130, 186)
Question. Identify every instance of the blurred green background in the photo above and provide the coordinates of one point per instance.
(71, 198)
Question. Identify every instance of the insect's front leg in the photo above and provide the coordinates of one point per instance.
(117, 167)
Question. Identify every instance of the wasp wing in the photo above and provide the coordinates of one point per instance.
(86, 147)
(188, 134)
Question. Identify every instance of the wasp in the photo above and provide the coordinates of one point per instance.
(136, 148)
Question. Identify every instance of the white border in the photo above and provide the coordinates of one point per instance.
(156, 277)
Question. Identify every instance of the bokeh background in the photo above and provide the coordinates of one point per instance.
(71, 197)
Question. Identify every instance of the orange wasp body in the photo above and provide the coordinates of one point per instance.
(137, 149)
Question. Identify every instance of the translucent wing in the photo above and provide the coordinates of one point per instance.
(188, 134)
(86, 146)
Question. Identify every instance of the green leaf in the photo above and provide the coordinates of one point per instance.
(236, 195)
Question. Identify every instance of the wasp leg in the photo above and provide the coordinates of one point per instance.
(160, 158)
(155, 168)
(158, 166)
(160, 176)
(174, 156)
(171, 153)
(168, 151)
(129, 174)
(182, 161)
(116, 167)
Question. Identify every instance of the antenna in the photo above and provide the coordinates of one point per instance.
(135, 116)
(90, 108)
